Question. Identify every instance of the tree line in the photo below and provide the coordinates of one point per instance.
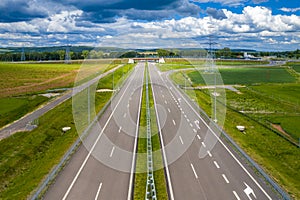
(171, 53)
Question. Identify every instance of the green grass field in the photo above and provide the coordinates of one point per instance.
(23, 78)
(12, 108)
(247, 76)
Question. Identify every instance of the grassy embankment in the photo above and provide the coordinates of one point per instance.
(27, 157)
(141, 162)
(270, 93)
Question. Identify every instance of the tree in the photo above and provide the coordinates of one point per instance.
(85, 54)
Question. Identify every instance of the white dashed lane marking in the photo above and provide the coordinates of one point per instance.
(120, 129)
(216, 164)
(194, 171)
(112, 151)
(174, 122)
(225, 178)
(181, 140)
(236, 195)
(203, 144)
(209, 154)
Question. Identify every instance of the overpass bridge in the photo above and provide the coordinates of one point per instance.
(149, 59)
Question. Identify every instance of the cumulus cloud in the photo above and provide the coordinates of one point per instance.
(215, 13)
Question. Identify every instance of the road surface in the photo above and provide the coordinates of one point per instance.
(102, 167)
(220, 174)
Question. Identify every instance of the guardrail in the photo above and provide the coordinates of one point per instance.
(52, 175)
(150, 186)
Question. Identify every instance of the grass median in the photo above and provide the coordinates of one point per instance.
(141, 162)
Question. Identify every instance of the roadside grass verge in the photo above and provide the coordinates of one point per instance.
(13, 108)
(141, 162)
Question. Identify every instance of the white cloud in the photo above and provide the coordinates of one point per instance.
(289, 9)
(223, 2)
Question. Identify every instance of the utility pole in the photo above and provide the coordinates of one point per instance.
(23, 58)
(67, 55)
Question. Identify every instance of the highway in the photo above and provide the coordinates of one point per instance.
(220, 174)
(103, 168)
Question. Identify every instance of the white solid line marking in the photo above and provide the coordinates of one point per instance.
(181, 140)
(169, 110)
(225, 178)
(166, 102)
(174, 122)
(124, 115)
(98, 191)
(217, 166)
(191, 124)
(120, 129)
(199, 137)
(194, 171)
(209, 153)
(112, 151)
(236, 195)
(203, 144)
(195, 130)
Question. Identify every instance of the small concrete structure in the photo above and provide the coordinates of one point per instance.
(65, 129)
(241, 128)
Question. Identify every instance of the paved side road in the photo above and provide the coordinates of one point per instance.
(20, 125)
(220, 174)
(103, 166)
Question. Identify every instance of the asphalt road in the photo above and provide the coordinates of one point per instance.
(220, 173)
(21, 124)
(102, 167)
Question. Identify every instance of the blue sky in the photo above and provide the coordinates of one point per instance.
(252, 24)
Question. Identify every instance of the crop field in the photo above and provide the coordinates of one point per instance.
(20, 83)
(20, 78)
(268, 106)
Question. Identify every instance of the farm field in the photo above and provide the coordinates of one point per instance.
(268, 96)
(21, 83)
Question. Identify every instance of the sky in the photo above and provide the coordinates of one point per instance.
(265, 25)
